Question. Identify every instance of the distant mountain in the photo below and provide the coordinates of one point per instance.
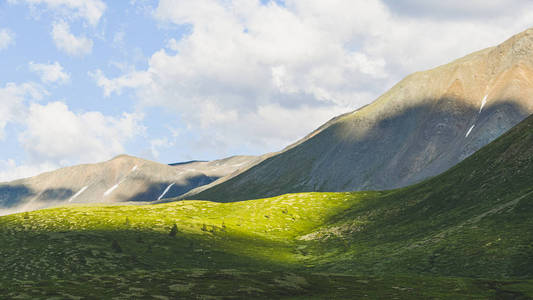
(421, 127)
(186, 162)
(124, 178)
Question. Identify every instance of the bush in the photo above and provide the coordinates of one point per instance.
(173, 230)
(116, 247)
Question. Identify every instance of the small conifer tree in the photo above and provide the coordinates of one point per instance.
(173, 230)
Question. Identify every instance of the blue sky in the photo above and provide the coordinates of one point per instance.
(176, 80)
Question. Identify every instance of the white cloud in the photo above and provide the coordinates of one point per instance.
(6, 38)
(69, 43)
(271, 125)
(173, 44)
(53, 136)
(264, 75)
(50, 73)
(144, 7)
(10, 170)
(157, 144)
(458, 9)
(90, 10)
(131, 80)
(58, 135)
(242, 58)
(13, 100)
(118, 39)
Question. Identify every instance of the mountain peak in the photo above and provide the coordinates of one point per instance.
(519, 40)
(122, 156)
(516, 49)
(524, 36)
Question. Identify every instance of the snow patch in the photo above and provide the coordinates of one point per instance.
(106, 193)
(113, 188)
(78, 193)
(166, 191)
(134, 168)
(469, 130)
(483, 102)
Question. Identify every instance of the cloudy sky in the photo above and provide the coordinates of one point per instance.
(174, 80)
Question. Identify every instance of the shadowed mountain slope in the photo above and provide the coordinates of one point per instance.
(474, 220)
(421, 127)
(124, 178)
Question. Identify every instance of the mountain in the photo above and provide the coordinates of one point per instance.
(474, 220)
(124, 178)
(421, 127)
(464, 234)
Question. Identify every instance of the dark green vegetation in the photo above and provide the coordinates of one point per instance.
(466, 234)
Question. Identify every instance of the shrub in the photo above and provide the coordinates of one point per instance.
(173, 230)
(116, 247)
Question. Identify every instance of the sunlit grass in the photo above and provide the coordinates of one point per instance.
(290, 246)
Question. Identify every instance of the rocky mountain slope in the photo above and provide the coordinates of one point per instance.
(421, 127)
(124, 178)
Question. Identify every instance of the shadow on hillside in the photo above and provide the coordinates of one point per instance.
(105, 251)
(56, 194)
(156, 190)
(360, 153)
(20, 197)
(9, 195)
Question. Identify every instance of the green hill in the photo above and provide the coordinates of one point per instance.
(465, 234)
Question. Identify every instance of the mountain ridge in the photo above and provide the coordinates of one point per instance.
(122, 178)
(422, 126)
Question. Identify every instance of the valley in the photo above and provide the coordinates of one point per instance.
(463, 234)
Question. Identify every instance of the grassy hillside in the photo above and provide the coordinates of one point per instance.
(466, 234)
(245, 249)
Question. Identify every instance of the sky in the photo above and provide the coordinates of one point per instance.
(82, 81)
